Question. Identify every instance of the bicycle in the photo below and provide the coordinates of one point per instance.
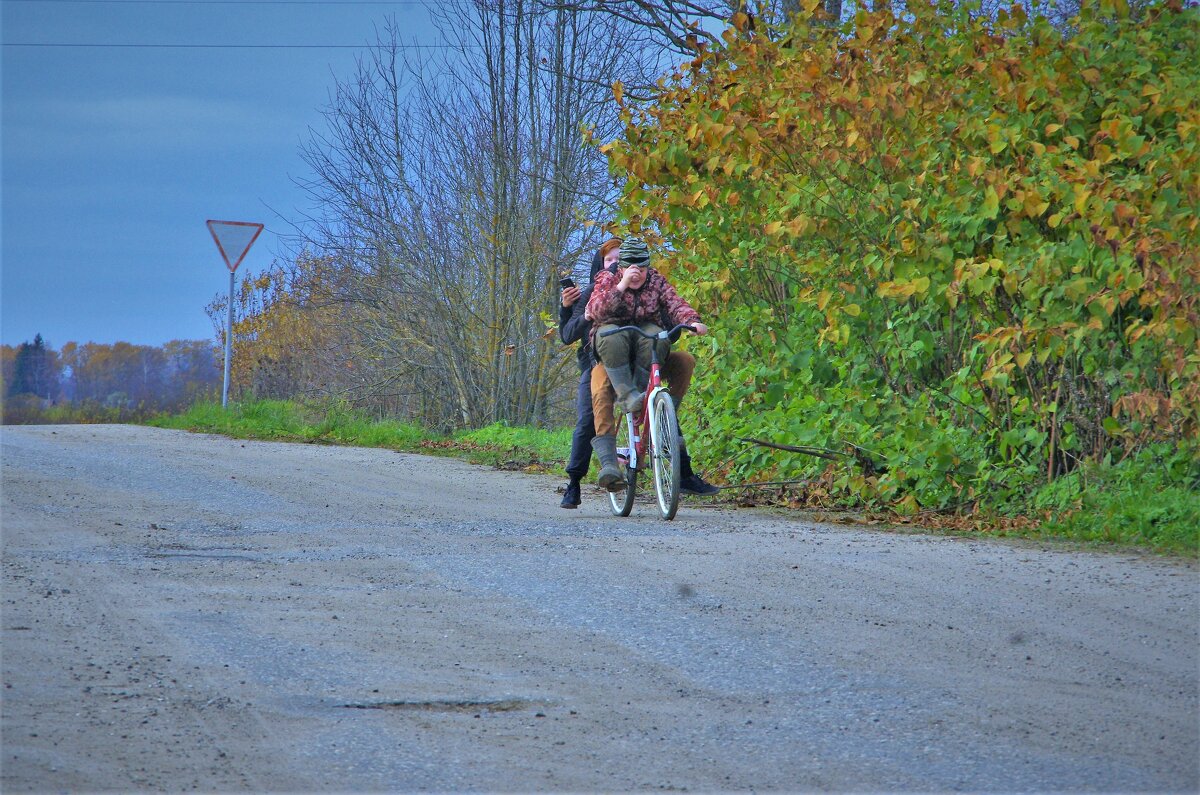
(651, 432)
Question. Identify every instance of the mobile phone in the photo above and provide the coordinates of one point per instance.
(566, 282)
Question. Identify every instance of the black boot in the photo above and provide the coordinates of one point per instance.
(571, 495)
(689, 481)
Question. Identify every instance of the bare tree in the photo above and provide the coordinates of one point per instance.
(452, 194)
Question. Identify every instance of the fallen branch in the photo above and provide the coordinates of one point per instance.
(819, 452)
(765, 483)
(864, 457)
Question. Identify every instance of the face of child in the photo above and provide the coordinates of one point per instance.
(611, 259)
(637, 276)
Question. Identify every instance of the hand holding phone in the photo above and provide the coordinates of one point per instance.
(570, 293)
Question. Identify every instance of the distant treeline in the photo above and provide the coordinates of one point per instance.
(96, 382)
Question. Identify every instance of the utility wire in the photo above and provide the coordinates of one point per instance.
(240, 2)
(233, 46)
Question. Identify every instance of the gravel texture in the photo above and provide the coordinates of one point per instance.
(186, 611)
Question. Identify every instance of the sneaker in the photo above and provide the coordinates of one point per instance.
(694, 484)
(570, 496)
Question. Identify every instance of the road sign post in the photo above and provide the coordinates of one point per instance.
(233, 239)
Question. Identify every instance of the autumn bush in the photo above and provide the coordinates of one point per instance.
(958, 249)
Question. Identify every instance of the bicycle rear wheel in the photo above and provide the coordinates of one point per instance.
(665, 453)
(622, 499)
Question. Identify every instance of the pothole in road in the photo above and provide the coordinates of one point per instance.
(449, 705)
(203, 555)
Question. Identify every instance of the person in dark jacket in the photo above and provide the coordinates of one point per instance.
(574, 327)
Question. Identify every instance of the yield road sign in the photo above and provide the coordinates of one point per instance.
(234, 239)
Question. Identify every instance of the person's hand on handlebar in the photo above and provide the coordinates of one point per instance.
(699, 329)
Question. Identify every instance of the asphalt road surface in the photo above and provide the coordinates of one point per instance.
(186, 612)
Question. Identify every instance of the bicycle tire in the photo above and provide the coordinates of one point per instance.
(621, 500)
(664, 452)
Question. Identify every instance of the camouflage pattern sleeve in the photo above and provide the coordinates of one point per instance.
(605, 303)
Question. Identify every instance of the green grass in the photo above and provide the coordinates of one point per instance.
(503, 445)
(1151, 500)
(337, 423)
(299, 422)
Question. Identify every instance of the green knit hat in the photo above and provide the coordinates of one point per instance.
(634, 253)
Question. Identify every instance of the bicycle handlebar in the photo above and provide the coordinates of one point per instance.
(662, 335)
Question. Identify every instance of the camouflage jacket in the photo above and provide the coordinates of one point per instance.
(654, 302)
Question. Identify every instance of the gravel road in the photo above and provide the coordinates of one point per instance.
(186, 611)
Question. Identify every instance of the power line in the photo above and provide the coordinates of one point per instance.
(231, 46)
(240, 2)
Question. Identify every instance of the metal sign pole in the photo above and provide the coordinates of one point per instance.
(228, 345)
(233, 239)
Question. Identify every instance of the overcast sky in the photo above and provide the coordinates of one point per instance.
(114, 157)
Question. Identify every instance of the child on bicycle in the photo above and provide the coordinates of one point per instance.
(634, 295)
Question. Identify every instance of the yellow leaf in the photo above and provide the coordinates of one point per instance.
(1052, 128)
(853, 310)
(991, 203)
(1023, 358)
(851, 138)
(618, 91)
(773, 228)
(1033, 205)
(897, 290)
(823, 299)
(799, 225)
(1081, 198)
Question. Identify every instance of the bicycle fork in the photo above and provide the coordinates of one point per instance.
(628, 456)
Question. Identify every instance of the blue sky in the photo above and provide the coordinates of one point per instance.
(114, 157)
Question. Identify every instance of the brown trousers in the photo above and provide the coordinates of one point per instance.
(676, 371)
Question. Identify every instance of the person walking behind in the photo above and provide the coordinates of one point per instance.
(573, 327)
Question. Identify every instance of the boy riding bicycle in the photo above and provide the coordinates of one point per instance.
(635, 294)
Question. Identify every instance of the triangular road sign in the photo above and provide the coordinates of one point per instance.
(234, 239)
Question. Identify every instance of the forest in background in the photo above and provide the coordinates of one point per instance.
(96, 382)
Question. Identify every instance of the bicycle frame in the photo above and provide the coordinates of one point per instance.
(641, 426)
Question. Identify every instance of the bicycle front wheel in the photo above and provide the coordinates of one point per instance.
(664, 437)
(622, 499)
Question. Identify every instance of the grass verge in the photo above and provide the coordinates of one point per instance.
(525, 449)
